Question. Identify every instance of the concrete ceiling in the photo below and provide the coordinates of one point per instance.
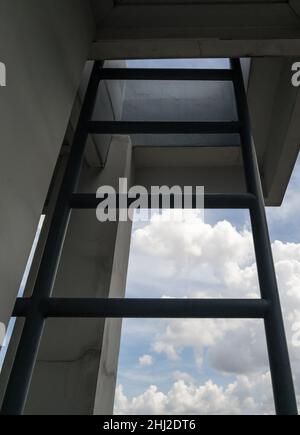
(268, 31)
(201, 28)
(187, 2)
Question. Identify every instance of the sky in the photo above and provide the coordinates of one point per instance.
(206, 366)
(196, 366)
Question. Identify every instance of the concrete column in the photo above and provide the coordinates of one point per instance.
(76, 368)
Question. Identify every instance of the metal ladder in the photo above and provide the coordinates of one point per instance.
(41, 305)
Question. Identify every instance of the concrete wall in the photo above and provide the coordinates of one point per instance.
(42, 90)
(44, 45)
(108, 107)
(275, 111)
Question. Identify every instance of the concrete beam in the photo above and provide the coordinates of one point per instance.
(114, 48)
(275, 111)
(198, 29)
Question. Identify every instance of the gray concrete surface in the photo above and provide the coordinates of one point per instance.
(44, 49)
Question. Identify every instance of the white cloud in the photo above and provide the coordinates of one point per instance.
(246, 393)
(218, 257)
(152, 400)
(195, 259)
(182, 376)
(290, 208)
(145, 360)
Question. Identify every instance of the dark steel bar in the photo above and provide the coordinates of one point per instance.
(145, 127)
(211, 201)
(21, 374)
(282, 380)
(171, 147)
(229, 201)
(148, 308)
(165, 74)
(22, 307)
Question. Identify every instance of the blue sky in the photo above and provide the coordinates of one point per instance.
(166, 366)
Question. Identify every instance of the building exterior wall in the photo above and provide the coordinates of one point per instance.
(44, 45)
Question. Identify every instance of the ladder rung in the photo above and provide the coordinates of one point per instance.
(147, 308)
(165, 74)
(145, 127)
(211, 201)
(184, 146)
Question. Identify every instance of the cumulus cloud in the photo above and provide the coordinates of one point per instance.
(145, 360)
(186, 398)
(290, 208)
(218, 257)
(182, 376)
(284, 220)
(196, 259)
